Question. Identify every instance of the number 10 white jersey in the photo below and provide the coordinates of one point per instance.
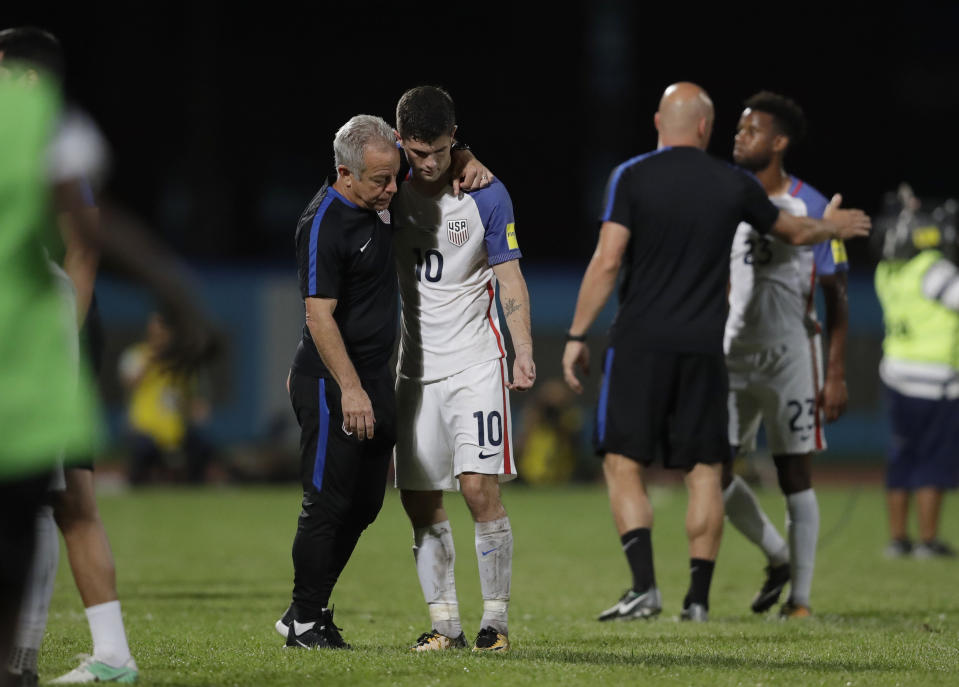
(445, 247)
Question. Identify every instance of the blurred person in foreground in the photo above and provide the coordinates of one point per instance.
(917, 281)
(671, 216)
(60, 197)
(42, 413)
(454, 424)
(166, 408)
(774, 353)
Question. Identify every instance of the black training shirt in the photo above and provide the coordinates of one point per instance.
(682, 208)
(344, 251)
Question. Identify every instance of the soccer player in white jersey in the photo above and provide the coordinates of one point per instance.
(453, 418)
(774, 356)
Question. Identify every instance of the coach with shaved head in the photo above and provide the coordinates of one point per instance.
(668, 219)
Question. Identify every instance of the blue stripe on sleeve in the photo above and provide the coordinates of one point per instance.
(496, 212)
(816, 204)
(617, 173)
(314, 234)
(319, 463)
(604, 397)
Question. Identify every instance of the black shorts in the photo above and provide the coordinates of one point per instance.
(661, 405)
(338, 466)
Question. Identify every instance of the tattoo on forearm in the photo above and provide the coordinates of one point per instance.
(510, 306)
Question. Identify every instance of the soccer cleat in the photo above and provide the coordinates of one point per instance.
(898, 548)
(319, 634)
(697, 613)
(632, 605)
(776, 578)
(283, 624)
(489, 639)
(933, 548)
(791, 610)
(434, 641)
(92, 670)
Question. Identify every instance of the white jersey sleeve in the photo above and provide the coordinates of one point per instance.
(445, 247)
(770, 297)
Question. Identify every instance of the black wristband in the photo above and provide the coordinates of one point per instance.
(459, 145)
(575, 337)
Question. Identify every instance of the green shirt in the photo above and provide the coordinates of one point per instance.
(918, 329)
(44, 409)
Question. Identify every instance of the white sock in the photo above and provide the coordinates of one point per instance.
(744, 512)
(109, 638)
(435, 557)
(35, 607)
(802, 525)
(494, 554)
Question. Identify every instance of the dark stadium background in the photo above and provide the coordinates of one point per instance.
(221, 118)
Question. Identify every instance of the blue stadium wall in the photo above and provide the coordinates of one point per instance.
(260, 313)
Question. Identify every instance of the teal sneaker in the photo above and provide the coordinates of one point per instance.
(92, 670)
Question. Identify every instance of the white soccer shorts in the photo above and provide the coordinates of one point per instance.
(777, 386)
(454, 425)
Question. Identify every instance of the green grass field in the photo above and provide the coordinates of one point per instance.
(203, 575)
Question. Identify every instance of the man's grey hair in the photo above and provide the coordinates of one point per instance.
(355, 136)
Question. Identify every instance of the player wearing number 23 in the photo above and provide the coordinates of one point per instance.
(453, 422)
(774, 356)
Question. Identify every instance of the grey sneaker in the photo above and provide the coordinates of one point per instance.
(632, 606)
(933, 548)
(897, 548)
(695, 612)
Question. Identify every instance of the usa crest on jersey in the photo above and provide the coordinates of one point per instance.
(457, 231)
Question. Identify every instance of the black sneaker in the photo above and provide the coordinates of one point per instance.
(283, 624)
(934, 548)
(319, 634)
(898, 548)
(489, 639)
(776, 578)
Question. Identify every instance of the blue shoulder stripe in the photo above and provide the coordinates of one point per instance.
(315, 232)
(617, 173)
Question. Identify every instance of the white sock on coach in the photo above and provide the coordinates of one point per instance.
(494, 556)
(109, 637)
(802, 526)
(746, 515)
(435, 557)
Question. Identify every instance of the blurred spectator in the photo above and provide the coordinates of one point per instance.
(918, 286)
(166, 409)
(552, 425)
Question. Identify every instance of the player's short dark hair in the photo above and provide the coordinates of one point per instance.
(425, 113)
(787, 116)
(34, 46)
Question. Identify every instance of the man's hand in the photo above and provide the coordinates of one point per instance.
(524, 372)
(833, 397)
(576, 354)
(357, 413)
(469, 174)
(849, 223)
